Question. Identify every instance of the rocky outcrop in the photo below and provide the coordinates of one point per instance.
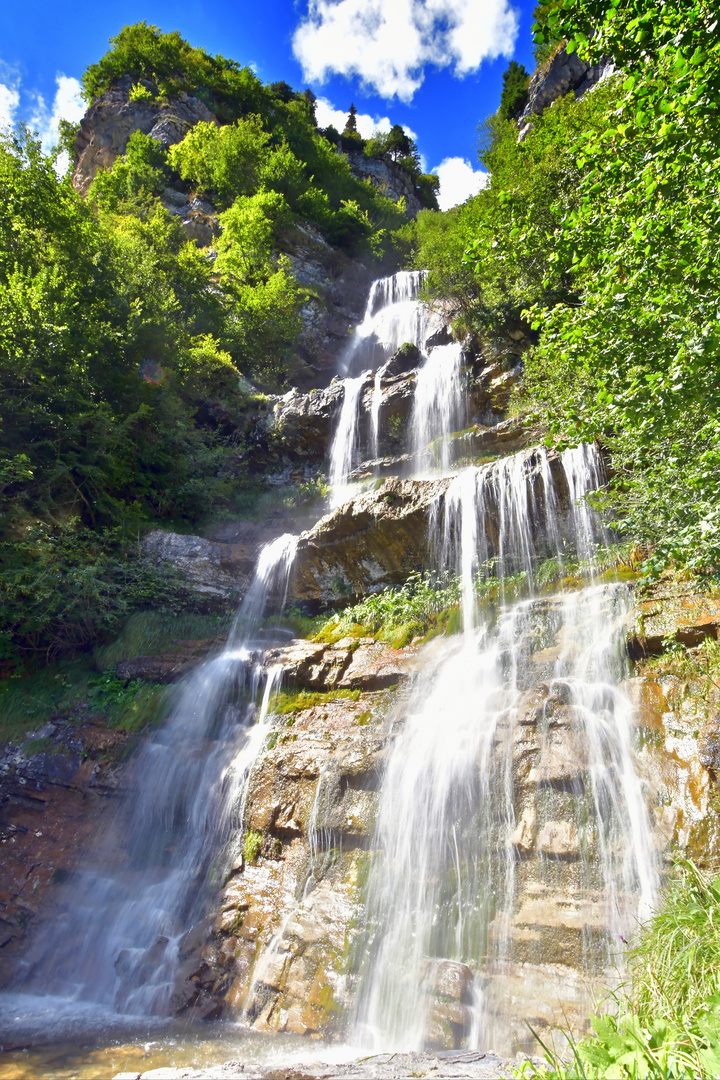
(214, 570)
(169, 666)
(671, 610)
(390, 179)
(566, 72)
(381, 537)
(279, 946)
(374, 540)
(335, 286)
(111, 120)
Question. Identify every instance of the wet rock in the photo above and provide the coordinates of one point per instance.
(506, 437)
(374, 540)
(306, 422)
(559, 840)
(671, 609)
(522, 837)
(449, 978)
(405, 360)
(708, 744)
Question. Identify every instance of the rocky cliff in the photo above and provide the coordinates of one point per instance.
(566, 72)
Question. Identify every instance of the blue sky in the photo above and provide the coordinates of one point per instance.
(434, 66)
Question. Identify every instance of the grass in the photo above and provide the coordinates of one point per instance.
(289, 702)
(60, 690)
(666, 1021)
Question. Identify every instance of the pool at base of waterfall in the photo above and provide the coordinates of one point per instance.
(50, 1038)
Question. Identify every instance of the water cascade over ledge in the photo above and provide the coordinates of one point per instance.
(469, 838)
(442, 849)
(154, 870)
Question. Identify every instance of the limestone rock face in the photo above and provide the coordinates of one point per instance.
(278, 944)
(111, 120)
(566, 72)
(390, 179)
(374, 540)
(218, 571)
(337, 287)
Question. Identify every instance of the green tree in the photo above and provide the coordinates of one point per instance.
(514, 94)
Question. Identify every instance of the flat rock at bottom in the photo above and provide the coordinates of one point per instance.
(440, 1066)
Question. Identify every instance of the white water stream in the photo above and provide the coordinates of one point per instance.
(446, 876)
(177, 829)
(394, 316)
(458, 812)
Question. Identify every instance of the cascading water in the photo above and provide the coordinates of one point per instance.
(393, 316)
(342, 451)
(117, 938)
(460, 809)
(438, 406)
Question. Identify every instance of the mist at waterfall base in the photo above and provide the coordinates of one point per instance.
(447, 861)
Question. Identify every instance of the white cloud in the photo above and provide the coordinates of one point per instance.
(9, 101)
(388, 43)
(458, 181)
(326, 114)
(67, 105)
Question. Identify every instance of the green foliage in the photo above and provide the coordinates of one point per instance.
(153, 630)
(513, 96)
(398, 614)
(225, 161)
(289, 702)
(135, 179)
(545, 46)
(510, 226)
(67, 586)
(633, 363)
(75, 691)
(252, 845)
(174, 66)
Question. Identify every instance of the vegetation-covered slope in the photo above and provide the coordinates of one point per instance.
(127, 355)
(600, 230)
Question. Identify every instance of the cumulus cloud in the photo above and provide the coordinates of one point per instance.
(326, 114)
(9, 101)
(67, 105)
(389, 44)
(458, 181)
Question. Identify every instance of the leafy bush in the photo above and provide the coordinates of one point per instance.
(144, 52)
(65, 587)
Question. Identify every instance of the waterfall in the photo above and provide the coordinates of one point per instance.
(342, 451)
(438, 407)
(460, 813)
(156, 866)
(393, 315)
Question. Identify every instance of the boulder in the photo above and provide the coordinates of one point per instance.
(374, 540)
